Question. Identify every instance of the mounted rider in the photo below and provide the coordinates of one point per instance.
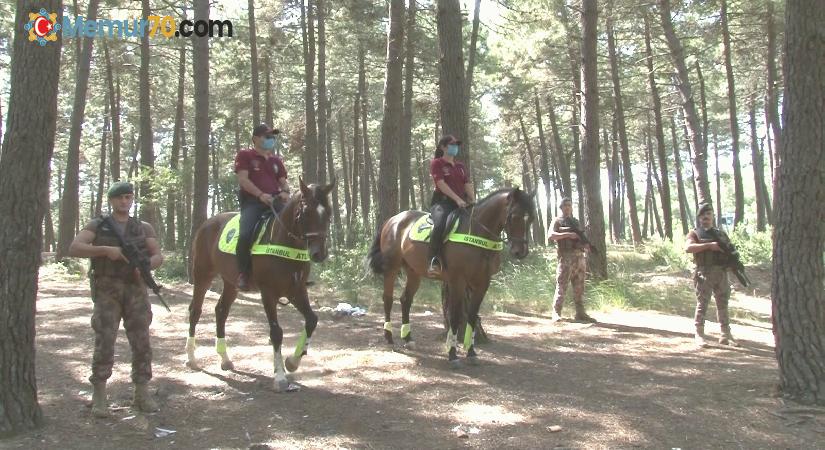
(453, 190)
(262, 178)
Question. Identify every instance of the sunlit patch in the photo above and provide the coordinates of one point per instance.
(320, 210)
(479, 413)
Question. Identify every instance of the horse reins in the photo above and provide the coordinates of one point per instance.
(306, 236)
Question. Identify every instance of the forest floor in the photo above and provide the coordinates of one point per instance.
(635, 379)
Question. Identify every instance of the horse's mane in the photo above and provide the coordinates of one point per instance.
(522, 198)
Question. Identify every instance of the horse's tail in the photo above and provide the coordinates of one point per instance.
(375, 259)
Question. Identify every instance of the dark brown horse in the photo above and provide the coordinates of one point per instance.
(466, 268)
(302, 224)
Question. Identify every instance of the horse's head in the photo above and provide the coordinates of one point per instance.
(312, 218)
(520, 215)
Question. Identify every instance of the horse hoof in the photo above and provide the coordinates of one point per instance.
(456, 364)
(193, 365)
(281, 386)
(291, 363)
(472, 360)
(409, 345)
(228, 365)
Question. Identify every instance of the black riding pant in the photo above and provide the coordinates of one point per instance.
(251, 211)
(439, 211)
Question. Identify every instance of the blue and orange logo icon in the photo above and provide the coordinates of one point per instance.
(42, 27)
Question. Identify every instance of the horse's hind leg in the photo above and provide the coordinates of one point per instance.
(301, 302)
(476, 297)
(230, 293)
(202, 281)
(413, 282)
(455, 303)
(389, 285)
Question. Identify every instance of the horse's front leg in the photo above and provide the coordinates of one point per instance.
(230, 293)
(276, 336)
(455, 304)
(477, 294)
(301, 302)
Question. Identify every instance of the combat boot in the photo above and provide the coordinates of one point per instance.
(582, 316)
(143, 400)
(727, 338)
(699, 338)
(100, 404)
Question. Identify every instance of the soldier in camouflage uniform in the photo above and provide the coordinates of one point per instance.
(572, 262)
(710, 277)
(118, 291)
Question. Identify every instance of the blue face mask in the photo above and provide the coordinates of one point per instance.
(268, 143)
(452, 149)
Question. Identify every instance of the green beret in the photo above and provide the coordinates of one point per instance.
(703, 208)
(120, 188)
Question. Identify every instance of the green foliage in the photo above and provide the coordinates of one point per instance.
(670, 255)
(755, 247)
(174, 267)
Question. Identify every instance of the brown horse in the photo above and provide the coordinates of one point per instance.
(302, 224)
(466, 268)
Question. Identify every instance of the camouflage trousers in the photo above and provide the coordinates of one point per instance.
(572, 268)
(115, 299)
(712, 280)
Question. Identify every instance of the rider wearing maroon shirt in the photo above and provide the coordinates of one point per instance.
(262, 178)
(452, 190)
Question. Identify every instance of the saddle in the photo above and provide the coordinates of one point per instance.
(228, 241)
(422, 228)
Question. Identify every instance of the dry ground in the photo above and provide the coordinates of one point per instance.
(634, 380)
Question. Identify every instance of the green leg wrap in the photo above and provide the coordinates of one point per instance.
(388, 327)
(220, 345)
(302, 342)
(469, 336)
(405, 330)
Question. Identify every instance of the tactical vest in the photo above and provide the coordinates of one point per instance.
(105, 235)
(707, 257)
(567, 246)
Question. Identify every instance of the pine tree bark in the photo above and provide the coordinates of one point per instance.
(101, 174)
(562, 161)
(529, 159)
(336, 207)
(170, 243)
(393, 108)
(253, 53)
(25, 158)
(148, 203)
(451, 81)
(114, 107)
(684, 211)
(200, 57)
(269, 114)
(356, 163)
(70, 199)
(323, 131)
(591, 182)
(366, 166)
(544, 156)
(718, 177)
(686, 92)
(622, 131)
(405, 149)
(574, 54)
(310, 155)
(468, 85)
(617, 190)
(799, 232)
(739, 191)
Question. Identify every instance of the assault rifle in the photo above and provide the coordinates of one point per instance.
(569, 224)
(732, 260)
(137, 260)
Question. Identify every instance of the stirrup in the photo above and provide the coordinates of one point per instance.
(435, 266)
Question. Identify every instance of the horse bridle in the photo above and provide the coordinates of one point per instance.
(299, 222)
(508, 239)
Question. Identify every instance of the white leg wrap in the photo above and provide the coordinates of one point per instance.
(190, 349)
(280, 372)
(451, 340)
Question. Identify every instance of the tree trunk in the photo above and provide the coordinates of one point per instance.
(718, 177)
(684, 210)
(174, 193)
(660, 134)
(420, 157)
(356, 162)
(323, 126)
(451, 83)
(529, 160)
(771, 102)
(25, 159)
(617, 190)
(200, 57)
(622, 130)
(574, 54)
(393, 107)
(366, 169)
(70, 199)
(405, 149)
(269, 114)
(101, 177)
(185, 207)
(758, 169)
(692, 118)
(336, 207)
(253, 50)
(610, 181)
(651, 167)
(591, 183)
(148, 203)
(544, 156)
(468, 86)
(799, 234)
(739, 191)
(114, 107)
(765, 191)
(562, 162)
(310, 155)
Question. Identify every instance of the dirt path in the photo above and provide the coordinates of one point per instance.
(633, 380)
